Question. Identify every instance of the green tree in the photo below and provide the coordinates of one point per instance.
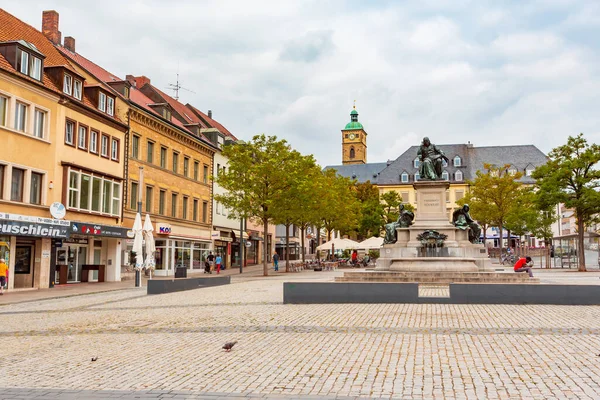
(289, 206)
(390, 202)
(480, 210)
(255, 179)
(371, 210)
(495, 191)
(571, 177)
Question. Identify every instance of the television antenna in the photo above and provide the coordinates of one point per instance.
(177, 87)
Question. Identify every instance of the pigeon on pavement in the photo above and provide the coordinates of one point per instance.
(227, 346)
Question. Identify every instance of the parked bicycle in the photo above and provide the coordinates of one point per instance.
(508, 258)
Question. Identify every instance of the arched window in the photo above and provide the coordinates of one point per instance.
(512, 170)
(445, 175)
(404, 177)
(417, 176)
(352, 153)
(458, 176)
(529, 170)
(457, 161)
(416, 162)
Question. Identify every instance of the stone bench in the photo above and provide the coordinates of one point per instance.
(161, 286)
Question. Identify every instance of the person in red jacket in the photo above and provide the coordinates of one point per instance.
(524, 264)
(354, 257)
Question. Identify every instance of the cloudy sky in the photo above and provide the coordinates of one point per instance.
(488, 72)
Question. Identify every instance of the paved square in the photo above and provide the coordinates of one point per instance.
(169, 346)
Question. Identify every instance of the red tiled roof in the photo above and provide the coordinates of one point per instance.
(213, 123)
(181, 109)
(100, 73)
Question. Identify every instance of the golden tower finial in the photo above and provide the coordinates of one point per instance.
(354, 107)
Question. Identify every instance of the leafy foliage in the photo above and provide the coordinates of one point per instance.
(371, 218)
(571, 177)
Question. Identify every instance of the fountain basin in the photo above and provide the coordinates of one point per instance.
(434, 264)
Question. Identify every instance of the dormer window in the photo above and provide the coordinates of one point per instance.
(404, 177)
(458, 176)
(457, 161)
(110, 106)
(126, 92)
(166, 113)
(416, 162)
(23, 61)
(77, 89)
(102, 102)
(445, 175)
(68, 84)
(444, 163)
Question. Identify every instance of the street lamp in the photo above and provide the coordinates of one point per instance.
(138, 274)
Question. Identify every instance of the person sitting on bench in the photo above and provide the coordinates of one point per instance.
(524, 264)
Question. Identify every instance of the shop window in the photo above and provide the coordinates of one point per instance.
(174, 205)
(20, 116)
(135, 147)
(204, 211)
(35, 191)
(3, 110)
(161, 202)
(163, 157)
(195, 210)
(39, 119)
(16, 186)
(149, 196)
(150, 152)
(196, 168)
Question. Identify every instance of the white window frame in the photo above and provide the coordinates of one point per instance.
(416, 162)
(35, 70)
(68, 84)
(94, 143)
(77, 89)
(102, 102)
(23, 115)
(115, 195)
(404, 177)
(104, 145)
(417, 176)
(5, 111)
(72, 140)
(447, 176)
(24, 63)
(114, 149)
(529, 170)
(110, 106)
(458, 176)
(79, 137)
(457, 161)
(39, 131)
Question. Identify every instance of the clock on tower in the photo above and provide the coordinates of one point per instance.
(354, 141)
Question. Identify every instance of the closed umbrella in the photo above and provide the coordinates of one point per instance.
(149, 262)
(138, 242)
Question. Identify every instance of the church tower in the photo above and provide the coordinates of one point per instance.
(354, 141)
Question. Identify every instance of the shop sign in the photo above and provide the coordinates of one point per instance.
(99, 230)
(76, 240)
(58, 210)
(163, 229)
(215, 235)
(26, 228)
(37, 220)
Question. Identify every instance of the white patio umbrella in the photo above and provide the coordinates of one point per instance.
(338, 243)
(149, 262)
(371, 243)
(138, 242)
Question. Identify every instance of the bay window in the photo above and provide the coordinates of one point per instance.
(90, 192)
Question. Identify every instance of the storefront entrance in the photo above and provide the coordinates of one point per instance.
(73, 257)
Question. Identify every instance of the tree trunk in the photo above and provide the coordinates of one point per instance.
(287, 248)
(318, 243)
(302, 242)
(265, 235)
(580, 244)
(500, 235)
(484, 227)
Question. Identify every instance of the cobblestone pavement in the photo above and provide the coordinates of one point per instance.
(169, 346)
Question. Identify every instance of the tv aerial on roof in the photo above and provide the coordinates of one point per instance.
(177, 87)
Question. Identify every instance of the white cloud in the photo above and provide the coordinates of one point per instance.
(455, 71)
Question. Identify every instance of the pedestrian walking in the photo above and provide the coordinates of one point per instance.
(218, 262)
(3, 274)
(211, 261)
(276, 261)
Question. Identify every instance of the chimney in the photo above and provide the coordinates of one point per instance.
(50, 26)
(130, 79)
(210, 114)
(141, 81)
(70, 44)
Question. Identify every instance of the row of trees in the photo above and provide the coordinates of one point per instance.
(498, 198)
(270, 183)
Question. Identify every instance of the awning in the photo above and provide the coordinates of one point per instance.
(252, 237)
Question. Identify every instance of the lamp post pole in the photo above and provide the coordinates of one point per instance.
(138, 274)
(242, 244)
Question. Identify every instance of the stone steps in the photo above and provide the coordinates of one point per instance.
(436, 277)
